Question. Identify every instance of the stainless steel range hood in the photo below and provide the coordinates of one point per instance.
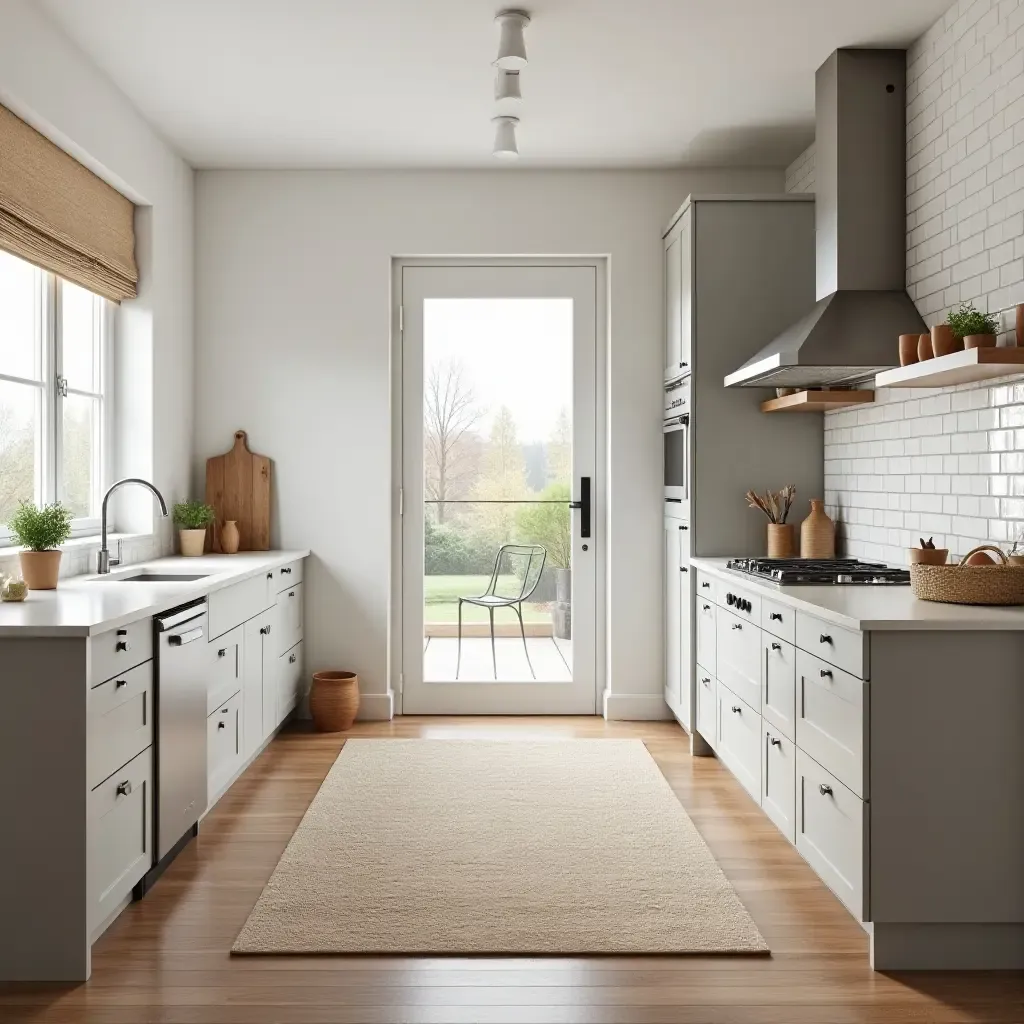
(860, 232)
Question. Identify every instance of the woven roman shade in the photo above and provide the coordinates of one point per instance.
(56, 213)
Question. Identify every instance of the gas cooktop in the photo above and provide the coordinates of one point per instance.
(821, 571)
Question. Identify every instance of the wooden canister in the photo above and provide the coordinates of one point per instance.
(817, 533)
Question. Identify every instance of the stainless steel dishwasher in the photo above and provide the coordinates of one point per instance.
(182, 663)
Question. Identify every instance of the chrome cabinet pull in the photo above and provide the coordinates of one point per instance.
(825, 673)
(776, 616)
(776, 742)
(776, 647)
(124, 788)
(825, 789)
(824, 639)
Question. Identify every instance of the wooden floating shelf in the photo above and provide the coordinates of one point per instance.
(817, 401)
(963, 367)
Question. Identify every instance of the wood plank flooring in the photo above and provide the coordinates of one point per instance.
(166, 959)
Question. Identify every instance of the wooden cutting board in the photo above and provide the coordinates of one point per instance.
(238, 487)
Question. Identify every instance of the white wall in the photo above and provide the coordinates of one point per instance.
(948, 463)
(50, 83)
(293, 337)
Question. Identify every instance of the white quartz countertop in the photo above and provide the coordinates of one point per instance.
(866, 608)
(84, 605)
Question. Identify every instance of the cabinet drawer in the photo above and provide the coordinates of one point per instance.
(120, 649)
(707, 706)
(778, 781)
(120, 721)
(739, 740)
(778, 684)
(225, 670)
(239, 603)
(831, 720)
(707, 640)
(290, 680)
(831, 832)
(289, 618)
(841, 647)
(120, 835)
(288, 575)
(707, 587)
(738, 657)
(778, 619)
(223, 745)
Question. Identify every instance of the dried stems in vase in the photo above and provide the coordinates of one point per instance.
(775, 505)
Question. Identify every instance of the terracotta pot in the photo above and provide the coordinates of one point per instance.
(334, 700)
(229, 538)
(40, 569)
(780, 540)
(924, 347)
(928, 556)
(980, 341)
(817, 533)
(943, 340)
(192, 542)
(908, 348)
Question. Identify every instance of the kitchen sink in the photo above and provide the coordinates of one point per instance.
(154, 577)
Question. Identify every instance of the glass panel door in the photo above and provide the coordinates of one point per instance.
(498, 380)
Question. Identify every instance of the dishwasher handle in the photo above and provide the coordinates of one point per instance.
(180, 639)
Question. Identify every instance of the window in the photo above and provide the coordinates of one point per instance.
(54, 404)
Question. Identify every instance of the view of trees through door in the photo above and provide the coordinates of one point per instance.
(497, 448)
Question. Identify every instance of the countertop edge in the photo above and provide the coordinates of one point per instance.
(975, 623)
(189, 591)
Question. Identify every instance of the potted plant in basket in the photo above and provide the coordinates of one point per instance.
(974, 328)
(192, 518)
(41, 531)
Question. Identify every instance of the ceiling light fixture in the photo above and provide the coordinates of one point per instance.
(508, 96)
(505, 147)
(511, 44)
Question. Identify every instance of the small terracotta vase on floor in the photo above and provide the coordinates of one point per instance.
(192, 542)
(817, 533)
(780, 540)
(334, 700)
(924, 348)
(229, 538)
(40, 569)
(908, 348)
(980, 341)
(944, 341)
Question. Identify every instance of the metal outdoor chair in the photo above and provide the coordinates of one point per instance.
(511, 560)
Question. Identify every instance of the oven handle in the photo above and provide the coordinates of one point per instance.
(678, 423)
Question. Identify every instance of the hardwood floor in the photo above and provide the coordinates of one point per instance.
(166, 959)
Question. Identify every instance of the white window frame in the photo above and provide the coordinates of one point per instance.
(54, 389)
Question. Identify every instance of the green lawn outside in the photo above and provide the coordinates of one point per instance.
(441, 594)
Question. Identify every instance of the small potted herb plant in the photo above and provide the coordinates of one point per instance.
(192, 517)
(976, 329)
(41, 531)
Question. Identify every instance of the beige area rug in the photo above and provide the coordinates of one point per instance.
(473, 846)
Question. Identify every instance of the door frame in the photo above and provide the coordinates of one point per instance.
(599, 264)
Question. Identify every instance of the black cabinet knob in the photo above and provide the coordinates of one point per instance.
(124, 788)
(776, 647)
(776, 616)
(825, 639)
(825, 673)
(736, 710)
(824, 789)
(775, 741)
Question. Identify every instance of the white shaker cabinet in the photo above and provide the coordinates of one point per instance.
(678, 299)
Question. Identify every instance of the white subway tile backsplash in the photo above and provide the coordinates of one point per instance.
(949, 462)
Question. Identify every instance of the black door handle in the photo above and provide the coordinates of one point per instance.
(584, 506)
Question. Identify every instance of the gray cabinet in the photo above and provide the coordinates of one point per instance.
(259, 689)
(678, 298)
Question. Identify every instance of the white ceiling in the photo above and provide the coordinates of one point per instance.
(408, 83)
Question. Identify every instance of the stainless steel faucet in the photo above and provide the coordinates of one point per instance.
(103, 559)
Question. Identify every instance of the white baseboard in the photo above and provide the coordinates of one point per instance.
(376, 707)
(635, 707)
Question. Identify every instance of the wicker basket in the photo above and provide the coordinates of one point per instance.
(970, 584)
